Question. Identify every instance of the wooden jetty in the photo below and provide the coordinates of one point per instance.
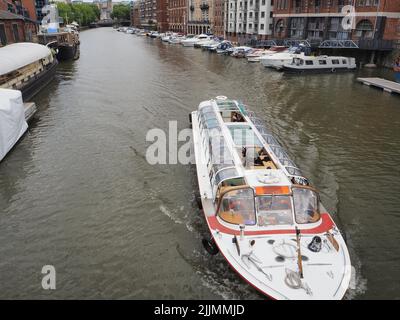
(386, 85)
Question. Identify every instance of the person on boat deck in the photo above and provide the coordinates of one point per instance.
(396, 69)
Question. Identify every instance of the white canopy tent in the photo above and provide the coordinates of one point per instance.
(12, 119)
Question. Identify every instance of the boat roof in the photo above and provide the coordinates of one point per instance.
(224, 145)
(18, 55)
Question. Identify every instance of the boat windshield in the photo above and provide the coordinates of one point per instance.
(306, 206)
(237, 207)
(274, 210)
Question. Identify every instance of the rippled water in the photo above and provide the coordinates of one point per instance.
(77, 192)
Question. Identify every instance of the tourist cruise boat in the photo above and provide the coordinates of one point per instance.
(320, 64)
(263, 214)
(27, 67)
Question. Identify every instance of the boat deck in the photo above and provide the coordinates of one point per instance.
(386, 85)
(30, 110)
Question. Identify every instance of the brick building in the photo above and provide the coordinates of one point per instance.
(135, 15)
(25, 8)
(162, 15)
(218, 25)
(16, 28)
(375, 25)
(177, 15)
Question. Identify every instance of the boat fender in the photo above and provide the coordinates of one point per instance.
(333, 70)
(198, 201)
(210, 246)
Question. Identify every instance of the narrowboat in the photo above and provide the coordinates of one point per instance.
(319, 64)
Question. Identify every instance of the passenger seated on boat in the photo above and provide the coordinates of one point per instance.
(236, 117)
(256, 157)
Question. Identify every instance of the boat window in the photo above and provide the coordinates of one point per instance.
(257, 121)
(237, 207)
(344, 61)
(293, 171)
(322, 62)
(280, 153)
(305, 205)
(270, 140)
(212, 123)
(335, 61)
(244, 136)
(263, 130)
(309, 62)
(225, 174)
(274, 210)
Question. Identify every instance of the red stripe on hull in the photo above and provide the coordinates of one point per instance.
(326, 224)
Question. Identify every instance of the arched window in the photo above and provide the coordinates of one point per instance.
(280, 27)
(365, 29)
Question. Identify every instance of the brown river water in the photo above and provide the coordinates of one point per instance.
(77, 192)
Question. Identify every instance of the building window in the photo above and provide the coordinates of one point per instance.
(262, 14)
(3, 37)
(15, 32)
(365, 30)
(261, 26)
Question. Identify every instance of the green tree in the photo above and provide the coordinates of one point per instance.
(83, 13)
(121, 12)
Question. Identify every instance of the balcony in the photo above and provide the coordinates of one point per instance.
(374, 44)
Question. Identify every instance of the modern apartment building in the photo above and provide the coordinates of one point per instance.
(248, 19)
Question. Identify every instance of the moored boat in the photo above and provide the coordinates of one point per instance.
(263, 214)
(12, 120)
(27, 67)
(190, 42)
(320, 64)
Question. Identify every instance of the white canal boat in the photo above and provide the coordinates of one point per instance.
(262, 213)
(320, 64)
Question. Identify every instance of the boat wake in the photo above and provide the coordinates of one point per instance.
(216, 275)
(170, 215)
